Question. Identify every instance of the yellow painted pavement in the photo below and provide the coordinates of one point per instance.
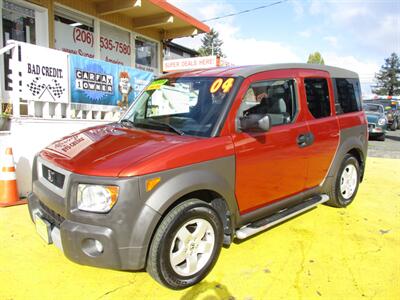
(328, 253)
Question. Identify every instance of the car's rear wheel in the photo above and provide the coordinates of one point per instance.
(345, 185)
(186, 245)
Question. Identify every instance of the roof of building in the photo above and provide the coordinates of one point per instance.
(246, 71)
(182, 48)
(150, 17)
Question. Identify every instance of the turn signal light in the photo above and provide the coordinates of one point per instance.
(151, 183)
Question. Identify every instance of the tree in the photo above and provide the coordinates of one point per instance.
(211, 44)
(388, 78)
(315, 58)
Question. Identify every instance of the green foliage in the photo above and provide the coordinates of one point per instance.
(5, 111)
(388, 78)
(315, 58)
(211, 44)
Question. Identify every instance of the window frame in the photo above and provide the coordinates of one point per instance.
(296, 102)
(332, 111)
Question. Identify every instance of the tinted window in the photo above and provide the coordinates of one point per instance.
(317, 97)
(347, 95)
(274, 97)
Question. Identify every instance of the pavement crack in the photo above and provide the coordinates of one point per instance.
(114, 290)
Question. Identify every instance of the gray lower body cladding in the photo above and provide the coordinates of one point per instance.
(125, 232)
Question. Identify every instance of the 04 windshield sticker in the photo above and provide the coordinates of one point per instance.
(157, 84)
(221, 84)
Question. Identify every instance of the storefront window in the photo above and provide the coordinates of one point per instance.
(19, 25)
(146, 55)
(74, 33)
(115, 45)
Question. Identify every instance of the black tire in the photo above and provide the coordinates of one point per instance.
(394, 125)
(381, 137)
(336, 198)
(159, 264)
(398, 123)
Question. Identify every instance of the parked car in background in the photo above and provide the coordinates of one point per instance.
(377, 121)
(392, 111)
(200, 158)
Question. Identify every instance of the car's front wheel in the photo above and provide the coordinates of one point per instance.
(345, 185)
(186, 245)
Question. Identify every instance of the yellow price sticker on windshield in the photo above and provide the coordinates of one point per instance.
(157, 84)
(219, 83)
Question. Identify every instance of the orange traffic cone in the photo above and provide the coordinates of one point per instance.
(8, 181)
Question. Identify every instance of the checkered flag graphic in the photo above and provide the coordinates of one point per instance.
(35, 87)
(57, 90)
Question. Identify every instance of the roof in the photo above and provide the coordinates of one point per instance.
(151, 16)
(246, 71)
(182, 48)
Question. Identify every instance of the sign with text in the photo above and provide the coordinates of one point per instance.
(73, 40)
(114, 43)
(99, 82)
(42, 74)
(190, 63)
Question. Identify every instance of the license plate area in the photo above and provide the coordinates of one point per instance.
(43, 228)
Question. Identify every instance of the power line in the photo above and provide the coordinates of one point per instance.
(245, 11)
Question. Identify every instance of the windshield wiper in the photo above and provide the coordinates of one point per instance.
(127, 123)
(162, 124)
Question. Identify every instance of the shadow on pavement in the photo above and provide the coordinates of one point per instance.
(393, 138)
(221, 291)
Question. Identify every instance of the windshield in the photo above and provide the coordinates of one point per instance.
(185, 105)
(373, 108)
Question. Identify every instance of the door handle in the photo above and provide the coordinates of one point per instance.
(301, 140)
(305, 139)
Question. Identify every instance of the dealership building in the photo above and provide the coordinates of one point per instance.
(128, 36)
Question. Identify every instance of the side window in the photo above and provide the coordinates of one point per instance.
(347, 95)
(317, 97)
(274, 97)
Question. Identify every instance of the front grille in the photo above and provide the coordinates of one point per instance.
(53, 177)
(51, 216)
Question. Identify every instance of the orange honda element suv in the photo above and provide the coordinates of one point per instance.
(199, 159)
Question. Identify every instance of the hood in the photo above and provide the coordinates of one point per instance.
(107, 150)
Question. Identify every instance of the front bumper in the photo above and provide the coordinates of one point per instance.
(124, 233)
(376, 129)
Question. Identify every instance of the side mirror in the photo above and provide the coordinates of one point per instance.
(255, 123)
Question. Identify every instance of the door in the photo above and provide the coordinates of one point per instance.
(270, 165)
(323, 125)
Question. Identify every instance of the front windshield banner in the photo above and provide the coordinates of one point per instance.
(189, 105)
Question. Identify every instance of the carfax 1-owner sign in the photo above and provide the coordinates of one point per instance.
(41, 74)
(98, 82)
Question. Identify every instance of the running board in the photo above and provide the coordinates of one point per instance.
(260, 225)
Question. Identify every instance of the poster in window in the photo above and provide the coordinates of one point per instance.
(103, 83)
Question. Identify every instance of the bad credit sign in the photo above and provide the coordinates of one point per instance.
(190, 63)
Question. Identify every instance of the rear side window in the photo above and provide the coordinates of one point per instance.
(347, 95)
(317, 97)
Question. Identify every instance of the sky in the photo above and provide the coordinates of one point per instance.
(352, 34)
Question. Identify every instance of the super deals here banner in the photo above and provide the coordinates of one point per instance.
(99, 82)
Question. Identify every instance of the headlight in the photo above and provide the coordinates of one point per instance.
(96, 198)
(382, 121)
